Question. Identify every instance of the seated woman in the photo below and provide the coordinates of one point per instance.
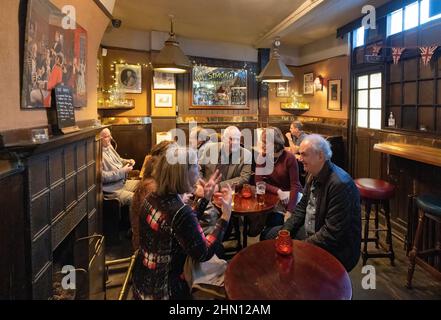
(146, 186)
(284, 178)
(169, 229)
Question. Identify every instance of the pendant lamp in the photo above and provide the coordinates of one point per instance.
(275, 71)
(171, 59)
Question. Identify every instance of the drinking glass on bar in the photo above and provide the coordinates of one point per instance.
(260, 192)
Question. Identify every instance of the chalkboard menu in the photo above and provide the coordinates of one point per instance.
(62, 114)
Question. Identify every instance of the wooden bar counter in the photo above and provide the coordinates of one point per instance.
(423, 154)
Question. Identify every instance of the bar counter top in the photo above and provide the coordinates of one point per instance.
(418, 153)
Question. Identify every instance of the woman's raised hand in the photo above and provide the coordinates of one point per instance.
(210, 185)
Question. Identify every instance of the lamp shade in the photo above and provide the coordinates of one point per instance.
(275, 71)
(171, 59)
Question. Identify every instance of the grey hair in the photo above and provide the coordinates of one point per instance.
(297, 124)
(231, 131)
(319, 144)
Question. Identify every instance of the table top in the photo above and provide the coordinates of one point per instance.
(248, 206)
(310, 273)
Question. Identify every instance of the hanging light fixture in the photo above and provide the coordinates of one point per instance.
(171, 59)
(275, 71)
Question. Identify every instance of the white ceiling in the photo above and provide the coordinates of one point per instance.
(249, 22)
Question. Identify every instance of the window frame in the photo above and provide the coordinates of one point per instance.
(403, 10)
(369, 89)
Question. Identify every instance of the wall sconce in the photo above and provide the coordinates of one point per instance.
(318, 83)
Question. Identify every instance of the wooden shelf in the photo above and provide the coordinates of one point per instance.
(422, 154)
(116, 108)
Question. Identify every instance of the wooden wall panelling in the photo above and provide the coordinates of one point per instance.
(133, 141)
(13, 270)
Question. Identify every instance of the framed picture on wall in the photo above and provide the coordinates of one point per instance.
(308, 83)
(163, 100)
(52, 55)
(282, 89)
(334, 95)
(129, 77)
(164, 81)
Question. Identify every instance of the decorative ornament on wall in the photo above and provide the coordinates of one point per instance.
(396, 54)
(427, 54)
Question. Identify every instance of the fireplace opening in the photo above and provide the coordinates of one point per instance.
(70, 266)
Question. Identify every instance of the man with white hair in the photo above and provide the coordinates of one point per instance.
(232, 161)
(329, 213)
(114, 172)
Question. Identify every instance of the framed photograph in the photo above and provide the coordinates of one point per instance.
(163, 100)
(308, 83)
(334, 95)
(219, 87)
(52, 56)
(164, 81)
(282, 89)
(129, 77)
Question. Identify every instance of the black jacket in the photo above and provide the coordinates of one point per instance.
(338, 215)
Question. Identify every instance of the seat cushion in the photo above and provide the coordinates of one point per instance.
(430, 204)
(375, 189)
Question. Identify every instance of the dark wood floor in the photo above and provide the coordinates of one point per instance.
(390, 284)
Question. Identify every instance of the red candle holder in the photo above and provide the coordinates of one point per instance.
(284, 243)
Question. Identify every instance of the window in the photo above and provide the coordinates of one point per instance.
(425, 12)
(412, 16)
(359, 37)
(395, 22)
(369, 101)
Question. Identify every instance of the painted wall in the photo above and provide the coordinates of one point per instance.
(333, 68)
(154, 40)
(129, 57)
(90, 17)
(127, 38)
(323, 49)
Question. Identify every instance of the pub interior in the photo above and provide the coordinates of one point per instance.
(341, 100)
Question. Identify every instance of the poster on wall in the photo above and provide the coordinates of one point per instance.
(53, 56)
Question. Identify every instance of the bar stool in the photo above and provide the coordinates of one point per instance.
(429, 206)
(376, 192)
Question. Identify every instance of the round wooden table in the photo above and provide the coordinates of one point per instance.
(258, 272)
(249, 206)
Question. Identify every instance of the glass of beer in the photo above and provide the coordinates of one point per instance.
(260, 192)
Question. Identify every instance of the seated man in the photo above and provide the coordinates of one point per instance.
(199, 139)
(329, 213)
(295, 136)
(114, 172)
(232, 161)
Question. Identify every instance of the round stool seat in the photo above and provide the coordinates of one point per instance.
(430, 204)
(375, 189)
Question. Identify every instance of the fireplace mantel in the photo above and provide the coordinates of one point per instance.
(61, 191)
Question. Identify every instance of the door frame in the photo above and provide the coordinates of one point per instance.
(352, 136)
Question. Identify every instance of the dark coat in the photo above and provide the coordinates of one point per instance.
(338, 215)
